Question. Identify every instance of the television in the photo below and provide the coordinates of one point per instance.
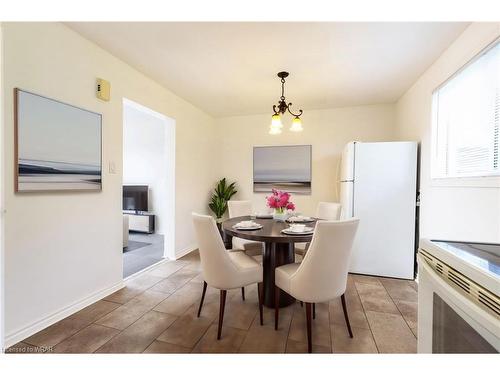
(135, 198)
(282, 167)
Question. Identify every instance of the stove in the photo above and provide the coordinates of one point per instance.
(459, 304)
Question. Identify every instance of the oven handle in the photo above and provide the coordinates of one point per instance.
(463, 303)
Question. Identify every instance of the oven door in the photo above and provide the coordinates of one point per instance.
(448, 321)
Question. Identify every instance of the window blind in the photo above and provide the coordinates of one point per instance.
(466, 111)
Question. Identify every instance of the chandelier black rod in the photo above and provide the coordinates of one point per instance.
(282, 106)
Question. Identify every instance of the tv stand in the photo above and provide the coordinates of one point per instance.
(140, 221)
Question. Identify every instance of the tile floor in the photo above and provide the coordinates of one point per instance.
(156, 313)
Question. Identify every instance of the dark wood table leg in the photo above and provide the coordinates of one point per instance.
(228, 240)
(275, 255)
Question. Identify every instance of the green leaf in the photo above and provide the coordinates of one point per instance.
(222, 193)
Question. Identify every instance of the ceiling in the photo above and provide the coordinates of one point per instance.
(230, 68)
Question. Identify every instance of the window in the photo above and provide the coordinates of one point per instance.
(466, 110)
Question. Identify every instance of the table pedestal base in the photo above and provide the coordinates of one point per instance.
(275, 255)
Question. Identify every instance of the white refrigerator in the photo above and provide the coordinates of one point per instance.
(378, 184)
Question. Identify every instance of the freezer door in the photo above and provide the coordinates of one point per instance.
(346, 199)
(384, 201)
(347, 163)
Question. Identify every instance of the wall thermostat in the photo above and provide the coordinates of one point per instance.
(102, 89)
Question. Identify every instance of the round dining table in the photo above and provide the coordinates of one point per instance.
(279, 249)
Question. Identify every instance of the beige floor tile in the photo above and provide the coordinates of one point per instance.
(165, 348)
(87, 340)
(198, 278)
(240, 314)
(230, 342)
(264, 339)
(413, 284)
(195, 288)
(400, 289)
(127, 314)
(357, 316)
(54, 334)
(365, 279)
(175, 281)
(186, 330)
(137, 337)
(123, 295)
(143, 281)
(157, 313)
(361, 342)
(320, 326)
(183, 276)
(298, 347)
(375, 298)
(391, 333)
(166, 269)
(210, 308)
(166, 286)
(409, 310)
(177, 304)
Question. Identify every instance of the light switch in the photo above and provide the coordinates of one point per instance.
(112, 167)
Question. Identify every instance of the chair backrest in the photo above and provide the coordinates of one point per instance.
(328, 211)
(217, 267)
(239, 208)
(322, 275)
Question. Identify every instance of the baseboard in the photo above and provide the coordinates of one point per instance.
(185, 251)
(33, 328)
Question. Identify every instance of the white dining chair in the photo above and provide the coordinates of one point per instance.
(244, 208)
(324, 211)
(222, 269)
(322, 275)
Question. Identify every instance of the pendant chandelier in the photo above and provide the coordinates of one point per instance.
(281, 108)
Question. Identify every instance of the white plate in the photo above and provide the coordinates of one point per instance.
(255, 227)
(303, 233)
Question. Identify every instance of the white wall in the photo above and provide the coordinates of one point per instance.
(145, 158)
(2, 243)
(326, 130)
(459, 213)
(52, 241)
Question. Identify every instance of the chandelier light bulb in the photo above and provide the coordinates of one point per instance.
(276, 121)
(296, 125)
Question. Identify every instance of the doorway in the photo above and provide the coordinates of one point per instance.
(148, 187)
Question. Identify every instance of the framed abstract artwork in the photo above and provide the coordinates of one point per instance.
(57, 145)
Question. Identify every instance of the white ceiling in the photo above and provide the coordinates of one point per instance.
(230, 68)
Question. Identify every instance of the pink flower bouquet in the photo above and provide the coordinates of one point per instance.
(280, 200)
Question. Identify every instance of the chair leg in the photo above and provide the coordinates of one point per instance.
(260, 291)
(221, 311)
(202, 297)
(314, 311)
(344, 307)
(276, 307)
(309, 328)
(243, 293)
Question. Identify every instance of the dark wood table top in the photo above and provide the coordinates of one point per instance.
(270, 231)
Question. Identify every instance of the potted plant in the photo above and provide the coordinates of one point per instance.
(218, 202)
(280, 201)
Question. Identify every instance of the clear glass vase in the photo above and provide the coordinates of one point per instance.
(280, 214)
